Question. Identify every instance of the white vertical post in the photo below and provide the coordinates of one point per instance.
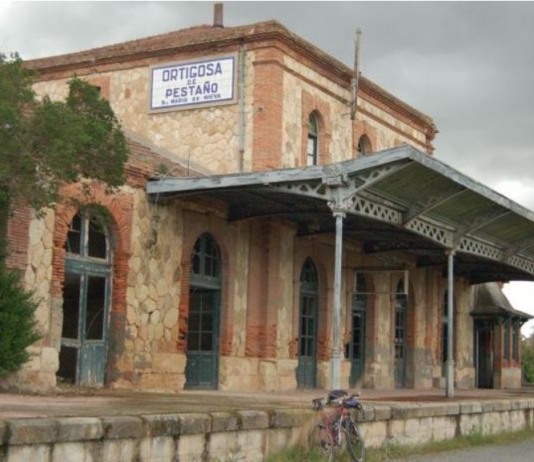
(450, 325)
(335, 363)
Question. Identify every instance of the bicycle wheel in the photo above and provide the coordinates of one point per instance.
(320, 443)
(355, 444)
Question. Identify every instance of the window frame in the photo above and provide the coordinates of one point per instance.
(313, 137)
(507, 327)
(86, 218)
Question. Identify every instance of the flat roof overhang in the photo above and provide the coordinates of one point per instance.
(398, 199)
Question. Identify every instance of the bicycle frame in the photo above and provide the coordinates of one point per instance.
(339, 417)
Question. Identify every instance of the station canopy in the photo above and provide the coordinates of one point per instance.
(399, 199)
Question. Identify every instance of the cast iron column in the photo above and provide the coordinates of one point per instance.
(450, 324)
(335, 363)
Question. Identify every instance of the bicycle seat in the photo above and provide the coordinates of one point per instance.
(336, 395)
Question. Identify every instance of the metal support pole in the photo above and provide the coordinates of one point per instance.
(450, 324)
(335, 362)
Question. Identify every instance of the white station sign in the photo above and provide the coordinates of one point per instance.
(194, 83)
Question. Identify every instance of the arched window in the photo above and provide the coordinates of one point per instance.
(206, 258)
(313, 141)
(355, 349)
(86, 294)
(308, 276)
(309, 302)
(204, 316)
(444, 328)
(401, 308)
(364, 146)
(87, 237)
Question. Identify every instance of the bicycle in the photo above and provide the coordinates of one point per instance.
(337, 432)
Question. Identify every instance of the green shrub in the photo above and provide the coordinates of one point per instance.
(17, 322)
(527, 359)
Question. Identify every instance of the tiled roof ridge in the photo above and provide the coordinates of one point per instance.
(203, 35)
(221, 33)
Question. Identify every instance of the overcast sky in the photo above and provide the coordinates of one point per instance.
(470, 66)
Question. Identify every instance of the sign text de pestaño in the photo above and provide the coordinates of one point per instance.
(193, 83)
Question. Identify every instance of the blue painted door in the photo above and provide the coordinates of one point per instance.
(85, 326)
(203, 325)
(356, 352)
(202, 369)
(86, 294)
(307, 354)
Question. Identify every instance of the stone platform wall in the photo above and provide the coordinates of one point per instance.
(242, 435)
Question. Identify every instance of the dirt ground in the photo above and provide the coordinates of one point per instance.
(105, 402)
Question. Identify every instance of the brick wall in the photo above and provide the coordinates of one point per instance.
(268, 110)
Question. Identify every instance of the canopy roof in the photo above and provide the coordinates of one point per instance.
(398, 199)
(490, 300)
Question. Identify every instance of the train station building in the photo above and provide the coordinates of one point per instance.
(215, 266)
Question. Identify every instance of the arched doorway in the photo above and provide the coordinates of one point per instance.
(401, 313)
(309, 303)
(356, 347)
(86, 293)
(203, 327)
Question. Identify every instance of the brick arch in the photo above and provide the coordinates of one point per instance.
(323, 316)
(193, 233)
(120, 208)
(362, 128)
(321, 110)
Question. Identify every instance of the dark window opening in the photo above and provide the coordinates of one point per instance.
(74, 236)
(97, 240)
(313, 142)
(309, 273)
(364, 146)
(87, 237)
(515, 341)
(206, 258)
(71, 306)
(401, 305)
(68, 358)
(507, 339)
(445, 328)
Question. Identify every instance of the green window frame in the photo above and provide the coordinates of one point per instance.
(506, 327)
(515, 340)
(312, 153)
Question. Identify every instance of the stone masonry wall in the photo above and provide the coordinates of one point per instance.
(206, 136)
(244, 435)
(330, 100)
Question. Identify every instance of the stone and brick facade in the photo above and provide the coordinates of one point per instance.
(285, 80)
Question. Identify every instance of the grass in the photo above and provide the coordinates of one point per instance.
(393, 451)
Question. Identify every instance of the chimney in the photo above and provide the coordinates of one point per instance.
(218, 15)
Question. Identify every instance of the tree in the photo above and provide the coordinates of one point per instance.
(17, 323)
(527, 358)
(44, 145)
